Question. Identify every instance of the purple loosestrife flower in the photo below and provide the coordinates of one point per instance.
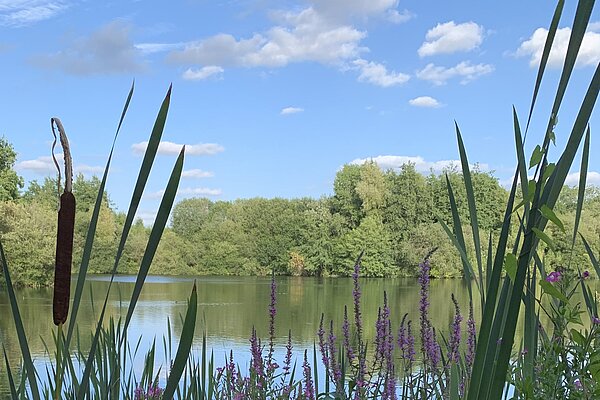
(595, 320)
(429, 346)
(322, 346)
(309, 390)
(471, 340)
(586, 274)
(272, 313)
(389, 391)
(390, 384)
(379, 336)
(434, 352)
(336, 372)
(578, 385)
(406, 342)
(553, 277)
(346, 331)
(256, 352)
(382, 331)
(455, 333)
(287, 362)
(139, 393)
(356, 294)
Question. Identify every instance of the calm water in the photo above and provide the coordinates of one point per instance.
(228, 308)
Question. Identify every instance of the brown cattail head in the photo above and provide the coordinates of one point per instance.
(64, 258)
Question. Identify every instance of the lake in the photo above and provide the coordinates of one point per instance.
(228, 308)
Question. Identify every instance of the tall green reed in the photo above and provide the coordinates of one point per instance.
(502, 297)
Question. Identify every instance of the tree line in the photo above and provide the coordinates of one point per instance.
(393, 215)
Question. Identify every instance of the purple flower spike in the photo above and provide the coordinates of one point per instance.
(454, 354)
(553, 277)
(309, 390)
(586, 274)
(471, 339)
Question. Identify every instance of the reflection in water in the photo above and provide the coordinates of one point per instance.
(228, 309)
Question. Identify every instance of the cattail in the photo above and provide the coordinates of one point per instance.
(64, 236)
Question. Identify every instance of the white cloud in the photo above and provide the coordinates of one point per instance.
(465, 70)
(170, 148)
(589, 53)
(291, 110)
(593, 178)
(18, 13)
(421, 165)
(377, 74)
(106, 51)
(44, 165)
(146, 216)
(197, 174)
(346, 8)
(83, 168)
(594, 26)
(399, 17)
(151, 48)
(198, 191)
(203, 73)
(425, 101)
(301, 36)
(450, 38)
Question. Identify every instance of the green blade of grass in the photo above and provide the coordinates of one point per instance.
(582, 182)
(467, 268)
(557, 179)
(521, 166)
(482, 364)
(545, 54)
(591, 255)
(580, 22)
(185, 344)
(472, 211)
(25, 353)
(160, 222)
(11, 382)
(89, 238)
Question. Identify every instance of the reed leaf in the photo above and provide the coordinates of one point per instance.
(582, 183)
(545, 54)
(25, 353)
(185, 344)
(11, 381)
(89, 238)
(472, 211)
(162, 217)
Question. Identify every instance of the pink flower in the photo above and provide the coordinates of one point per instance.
(553, 277)
(586, 274)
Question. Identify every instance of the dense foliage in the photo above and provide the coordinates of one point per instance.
(393, 215)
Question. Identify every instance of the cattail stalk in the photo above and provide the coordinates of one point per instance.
(64, 236)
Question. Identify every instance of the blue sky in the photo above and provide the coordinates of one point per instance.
(273, 97)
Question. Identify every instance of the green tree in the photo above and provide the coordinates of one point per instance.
(372, 188)
(346, 201)
(24, 231)
(189, 215)
(10, 182)
(372, 237)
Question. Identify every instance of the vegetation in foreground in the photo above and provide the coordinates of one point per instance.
(509, 278)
